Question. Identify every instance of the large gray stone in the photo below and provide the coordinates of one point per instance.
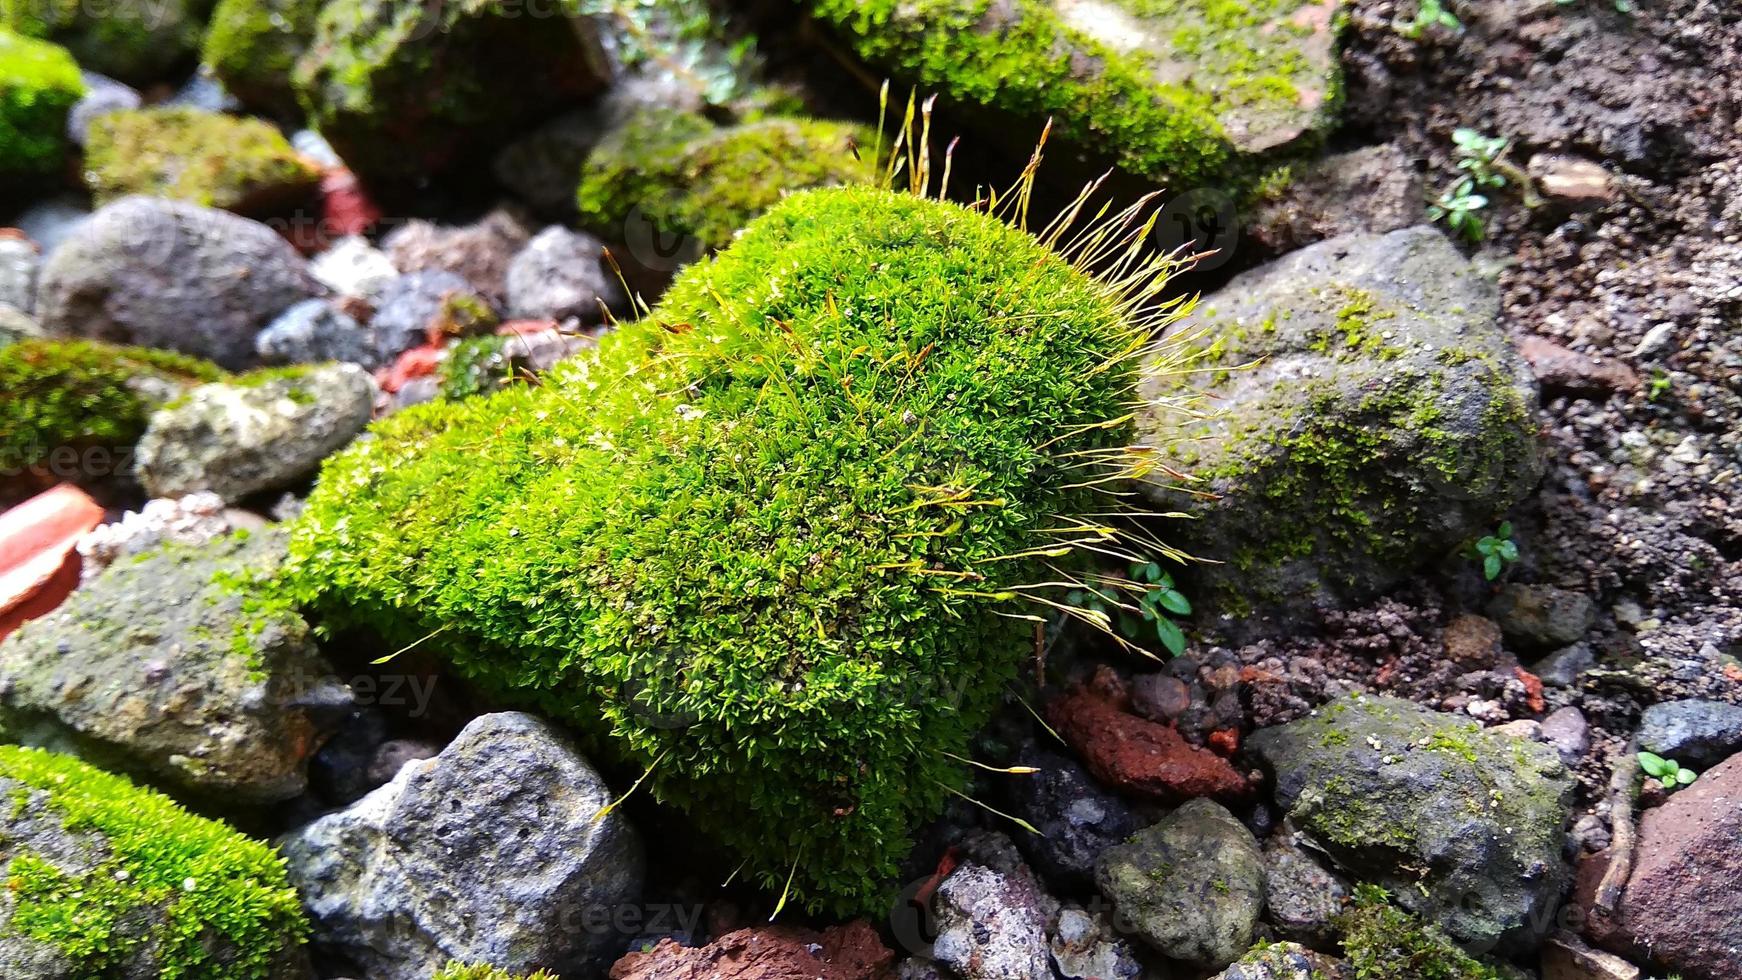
(492, 852)
(1192, 886)
(19, 262)
(1462, 826)
(168, 666)
(993, 916)
(1369, 415)
(172, 275)
(1695, 732)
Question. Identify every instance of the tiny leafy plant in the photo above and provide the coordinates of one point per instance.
(1481, 156)
(1666, 771)
(1429, 14)
(1159, 602)
(1496, 551)
(1459, 206)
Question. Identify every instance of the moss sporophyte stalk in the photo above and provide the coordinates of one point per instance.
(749, 542)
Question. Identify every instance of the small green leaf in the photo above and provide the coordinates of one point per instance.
(1505, 530)
(1491, 567)
(1175, 603)
(1654, 765)
(1508, 551)
(1172, 637)
(1686, 776)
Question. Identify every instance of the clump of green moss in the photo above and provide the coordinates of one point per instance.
(136, 41)
(39, 85)
(749, 542)
(190, 896)
(79, 393)
(477, 366)
(686, 177)
(459, 971)
(1382, 942)
(252, 45)
(207, 158)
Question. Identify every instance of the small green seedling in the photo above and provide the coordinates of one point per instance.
(1666, 771)
(1480, 156)
(1660, 385)
(1429, 14)
(1159, 601)
(1497, 550)
(1458, 207)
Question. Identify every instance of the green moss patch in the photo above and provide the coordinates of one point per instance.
(204, 157)
(253, 46)
(188, 895)
(136, 41)
(1383, 942)
(767, 543)
(39, 85)
(459, 971)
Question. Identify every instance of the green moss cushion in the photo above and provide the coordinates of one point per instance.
(459, 971)
(105, 879)
(768, 542)
(253, 46)
(207, 158)
(39, 84)
(136, 41)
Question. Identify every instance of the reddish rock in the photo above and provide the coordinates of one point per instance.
(1682, 909)
(419, 362)
(849, 952)
(1566, 372)
(39, 566)
(346, 208)
(1135, 755)
(1472, 641)
(1532, 689)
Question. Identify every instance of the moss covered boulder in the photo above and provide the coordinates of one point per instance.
(136, 41)
(1381, 940)
(1173, 90)
(253, 45)
(75, 409)
(207, 158)
(673, 185)
(403, 91)
(1464, 827)
(746, 541)
(1371, 415)
(460, 971)
(172, 666)
(105, 879)
(39, 85)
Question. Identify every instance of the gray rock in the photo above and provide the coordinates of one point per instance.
(1191, 886)
(1286, 961)
(407, 308)
(49, 223)
(1302, 897)
(19, 262)
(1542, 617)
(15, 326)
(480, 253)
(257, 433)
(1565, 666)
(1567, 730)
(205, 91)
(1371, 416)
(1462, 826)
(1373, 189)
(1086, 946)
(492, 852)
(102, 95)
(1077, 819)
(561, 274)
(172, 275)
(993, 917)
(1694, 732)
(166, 666)
(353, 267)
(314, 331)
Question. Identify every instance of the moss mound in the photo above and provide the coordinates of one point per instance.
(1382, 942)
(686, 177)
(769, 542)
(459, 971)
(119, 879)
(39, 84)
(136, 41)
(207, 158)
(253, 46)
(59, 395)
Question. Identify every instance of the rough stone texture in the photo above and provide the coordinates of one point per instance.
(1565, 372)
(492, 852)
(192, 520)
(313, 331)
(993, 917)
(1563, 667)
(1472, 641)
(1542, 617)
(1371, 416)
(162, 667)
(1681, 909)
(19, 262)
(412, 306)
(1567, 730)
(481, 253)
(849, 952)
(1088, 947)
(1077, 819)
(1136, 756)
(353, 267)
(239, 438)
(171, 275)
(1287, 961)
(1301, 897)
(1693, 732)
(1462, 826)
(1191, 886)
(1373, 189)
(561, 274)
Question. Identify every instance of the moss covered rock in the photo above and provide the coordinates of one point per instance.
(406, 90)
(253, 45)
(105, 879)
(64, 402)
(220, 161)
(675, 183)
(136, 41)
(39, 85)
(1174, 90)
(746, 541)
(1463, 826)
(1372, 416)
(460, 971)
(1381, 940)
